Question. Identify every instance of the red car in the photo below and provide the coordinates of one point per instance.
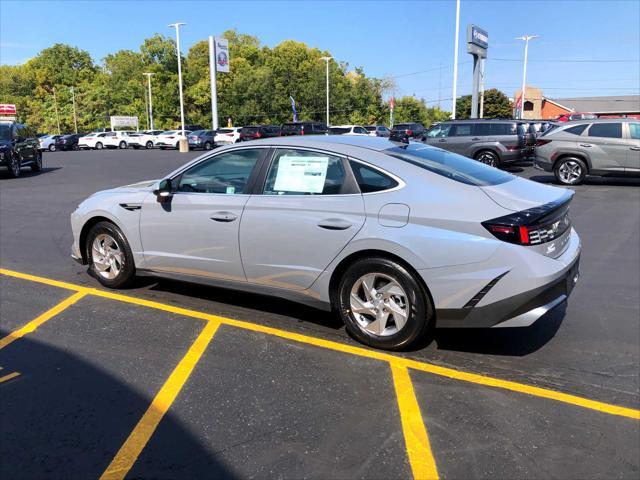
(565, 117)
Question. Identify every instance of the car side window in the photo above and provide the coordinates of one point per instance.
(359, 130)
(634, 131)
(302, 172)
(439, 131)
(606, 130)
(371, 180)
(227, 173)
(482, 129)
(577, 130)
(461, 130)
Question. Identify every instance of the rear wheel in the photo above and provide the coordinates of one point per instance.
(37, 163)
(122, 145)
(99, 146)
(14, 165)
(207, 145)
(52, 147)
(570, 171)
(382, 304)
(149, 145)
(488, 158)
(75, 148)
(109, 255)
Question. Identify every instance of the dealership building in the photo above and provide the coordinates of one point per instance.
(537, 105)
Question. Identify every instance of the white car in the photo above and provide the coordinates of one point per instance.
(226, 136)
(118, 139)
(144, 139)
(48, 142)
(348, 130)
(170, 139)
(91, 140)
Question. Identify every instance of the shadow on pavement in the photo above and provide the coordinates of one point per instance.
(601, 181)
(26, 172)
(64, 417)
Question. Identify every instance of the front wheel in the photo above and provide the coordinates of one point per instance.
(149, 145)
(488, 158)
(122, 145)
(383, 305)
(52, 148)
(99, 146)
(75, 148)
(109, 255)
(207, 145)
(14, 165)
(37, 165)
(570, 171)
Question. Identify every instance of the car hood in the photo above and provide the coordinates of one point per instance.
(5, 144)
(522, 194)
(145, 186)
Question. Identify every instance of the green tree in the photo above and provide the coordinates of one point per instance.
(496, 105)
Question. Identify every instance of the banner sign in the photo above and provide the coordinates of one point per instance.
(124, 122)
(8, 109)
(293, 107)
(222, 54)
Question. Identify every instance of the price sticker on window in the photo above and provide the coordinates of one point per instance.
(301, 174)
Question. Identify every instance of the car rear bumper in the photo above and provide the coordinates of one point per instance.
(542, 164)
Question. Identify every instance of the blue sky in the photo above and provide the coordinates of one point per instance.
(386, 38)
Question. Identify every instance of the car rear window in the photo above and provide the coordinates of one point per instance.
(339, 130)
(249, 130)
(370, 129)
(403, 126)
(450, 165)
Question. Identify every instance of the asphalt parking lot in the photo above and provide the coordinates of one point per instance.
(168, 380)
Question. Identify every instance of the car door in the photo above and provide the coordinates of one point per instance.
(196, 231)
(633, 152)
(459, 138)
(309, 210)
(437, 135)
(605, 146)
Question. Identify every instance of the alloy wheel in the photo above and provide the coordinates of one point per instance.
(15, 165)
(570, 172)
(379, 304)
(107, 257)
(488, 159)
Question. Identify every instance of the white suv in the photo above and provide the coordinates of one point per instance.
(144, 139)
(116, 139)
(348, 130)
(91, 140)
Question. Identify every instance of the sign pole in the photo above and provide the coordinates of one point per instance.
(482, 88)
(477, 45)
(214, 87)
(455, 63)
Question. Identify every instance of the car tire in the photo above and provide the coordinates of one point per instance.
(401, 298)
(109, 255)
(122, 145)
(99, 146)
(149, 145)
(14, 165)
(570, 171)
(177, 145)
(488, 157)
(52, 148)
(75, 148)
(37, 164)
(207, 145)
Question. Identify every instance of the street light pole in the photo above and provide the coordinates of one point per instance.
(177, 26)
(327, 60)
(455, 62)
(148, 75)
(73, 101)
(526, 39)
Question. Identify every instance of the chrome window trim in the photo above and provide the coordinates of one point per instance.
(400, 181)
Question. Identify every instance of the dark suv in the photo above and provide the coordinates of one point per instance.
(68, 142)
(493, 142)
(303, 128)
(406, 131)
(19, 148)
(253, 132)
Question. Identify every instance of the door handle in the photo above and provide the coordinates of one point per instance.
(475, 139)
(442, 140)
(635, 149)
(224, 217)
(585, 145)
(334, 224)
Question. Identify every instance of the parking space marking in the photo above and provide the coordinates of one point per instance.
(36, 322)
(416, 439)
(6, 378)
(138, 438)
(342, 347)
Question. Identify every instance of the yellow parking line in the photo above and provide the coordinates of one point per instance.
(36, 322)
(135, 443)
(8, 377)
(423, 465)
(341, 347)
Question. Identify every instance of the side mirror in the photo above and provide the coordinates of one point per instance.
(164, 191)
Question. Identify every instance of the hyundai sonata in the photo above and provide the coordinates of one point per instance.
(395, 237)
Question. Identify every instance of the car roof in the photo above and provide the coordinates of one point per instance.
(338, 143)
(600, 120)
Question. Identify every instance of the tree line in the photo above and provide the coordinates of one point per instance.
(256, 90)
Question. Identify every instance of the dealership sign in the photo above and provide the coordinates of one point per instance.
(124, 122)
(7, 110)
(222, 54)
(477, 41)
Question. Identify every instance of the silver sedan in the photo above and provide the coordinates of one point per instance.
(395, 237)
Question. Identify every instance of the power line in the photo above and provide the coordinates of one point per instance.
(563, 61)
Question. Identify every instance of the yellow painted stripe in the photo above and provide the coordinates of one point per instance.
(137, 440)
(341, 347)
(8, 377)
(423, 465)
(36, 322)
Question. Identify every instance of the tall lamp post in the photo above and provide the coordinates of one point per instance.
(327, 60)
(455, 62)
(148, 75)
(177, 26)
(526, 39)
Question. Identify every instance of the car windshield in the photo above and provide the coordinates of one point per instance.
(168, 132)
(198, 132)
(5, 132)
(450, 165)
(339, 130)
(225, 130)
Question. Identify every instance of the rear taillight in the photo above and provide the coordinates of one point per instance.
(541, 142)
(513, 148)
(534, 226)
(409, 132)
(258, 135)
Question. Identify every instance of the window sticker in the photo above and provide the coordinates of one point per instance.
(231, 190)
(301, 174)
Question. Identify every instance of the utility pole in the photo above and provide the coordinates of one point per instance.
(526, 39)
(214, 86)
(55, 104)
(75, 119)
(455, 62)
(150, 112)
(177, 26)
(327, 60)
(482, 88)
